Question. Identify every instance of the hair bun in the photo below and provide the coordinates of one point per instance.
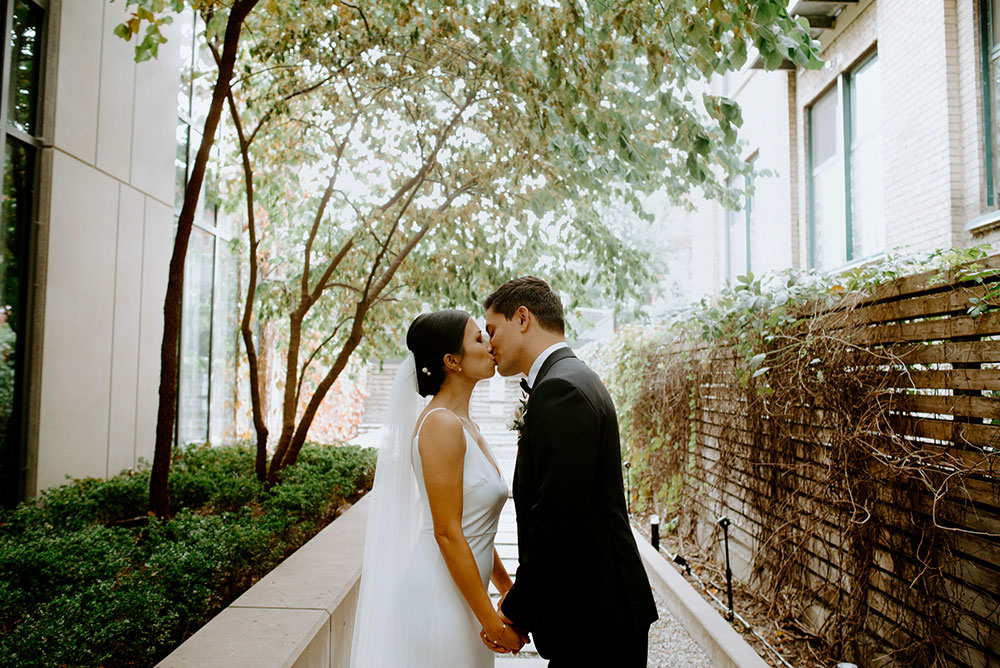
(430, 337)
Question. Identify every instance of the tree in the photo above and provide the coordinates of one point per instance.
(457, 143)
(426, 130)
(227, 22)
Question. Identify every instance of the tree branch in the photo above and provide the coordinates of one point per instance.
(415, 239)
(312, 356)
(260, 463)
(411, 186)
(359, 10)
(321, 209)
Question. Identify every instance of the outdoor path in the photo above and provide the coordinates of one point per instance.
(670, 645)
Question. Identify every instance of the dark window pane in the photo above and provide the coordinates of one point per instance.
(25, 55)
(15, 224)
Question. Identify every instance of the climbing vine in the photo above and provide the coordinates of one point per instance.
(771, 401)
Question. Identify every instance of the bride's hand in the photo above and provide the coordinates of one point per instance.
(511, 639)
(492, 646)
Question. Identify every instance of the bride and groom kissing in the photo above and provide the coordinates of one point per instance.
(580, 592)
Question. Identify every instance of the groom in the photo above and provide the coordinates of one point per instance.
(580, 587)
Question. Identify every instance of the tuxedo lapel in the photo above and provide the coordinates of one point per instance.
(560, 354)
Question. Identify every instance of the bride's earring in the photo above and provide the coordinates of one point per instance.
(460, 369)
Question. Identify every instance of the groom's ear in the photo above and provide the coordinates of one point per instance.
(523, 316)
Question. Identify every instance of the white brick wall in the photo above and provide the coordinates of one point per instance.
(912, 43)
(932, 125)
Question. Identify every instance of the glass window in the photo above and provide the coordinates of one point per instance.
(196, 338)
(866, 192)
(225, 342)
(207, 403)
(25, 60)
(846, 207)
(186, 41)
(24, 26)
(828, 239)
(181, 163)
(736, 237)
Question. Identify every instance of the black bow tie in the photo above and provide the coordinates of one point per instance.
(525, 386)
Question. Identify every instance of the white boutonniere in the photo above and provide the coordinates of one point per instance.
(517, 424)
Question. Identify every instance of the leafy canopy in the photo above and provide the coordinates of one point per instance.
(511, 123)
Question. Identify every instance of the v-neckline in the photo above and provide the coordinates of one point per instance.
(479, 445)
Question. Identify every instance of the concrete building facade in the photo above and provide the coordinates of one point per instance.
(95, 158)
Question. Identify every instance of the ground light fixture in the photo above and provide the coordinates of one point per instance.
(724, 523)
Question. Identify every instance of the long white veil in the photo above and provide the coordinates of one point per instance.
(394, 518)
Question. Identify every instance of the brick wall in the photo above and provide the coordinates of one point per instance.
(932, 132)
(917, 139)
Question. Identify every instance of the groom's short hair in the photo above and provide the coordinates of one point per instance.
(535, 295)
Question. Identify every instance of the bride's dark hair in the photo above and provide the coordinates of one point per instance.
(432, 336)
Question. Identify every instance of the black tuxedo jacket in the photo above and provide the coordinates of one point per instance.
(579, 578)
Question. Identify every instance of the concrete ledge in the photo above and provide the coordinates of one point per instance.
(257, 637)
(724, 646)
(300, 615)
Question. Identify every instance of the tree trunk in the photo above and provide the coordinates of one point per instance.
(260, 462)
(288, 405)
(299, 438)
(166, 417)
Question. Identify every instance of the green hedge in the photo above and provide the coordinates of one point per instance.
(87, 579)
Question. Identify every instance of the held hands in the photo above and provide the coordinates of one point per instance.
(508, 638)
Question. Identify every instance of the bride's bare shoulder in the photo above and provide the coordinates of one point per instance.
(441, 432)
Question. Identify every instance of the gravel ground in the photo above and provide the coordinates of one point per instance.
(670, 645)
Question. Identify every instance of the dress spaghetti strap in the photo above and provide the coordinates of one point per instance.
(420, 426)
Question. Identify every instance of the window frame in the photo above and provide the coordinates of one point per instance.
(16, 485)
(732, 218)
(207, 221)
(844, 85)
(989, 53)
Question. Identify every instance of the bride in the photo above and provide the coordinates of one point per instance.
(435, 507)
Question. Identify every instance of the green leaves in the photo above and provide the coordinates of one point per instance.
(74, 591)
(152, 13)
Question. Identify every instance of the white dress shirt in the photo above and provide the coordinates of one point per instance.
(540, 360)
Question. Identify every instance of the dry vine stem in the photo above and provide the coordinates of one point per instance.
(852, 511)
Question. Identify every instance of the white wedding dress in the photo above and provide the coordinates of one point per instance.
(432, 624)
(448, 633)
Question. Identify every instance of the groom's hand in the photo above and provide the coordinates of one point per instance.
(505, 618)
(511, 640)
(523, 635)
(492, 646)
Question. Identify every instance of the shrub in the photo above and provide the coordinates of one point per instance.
(78, 587)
